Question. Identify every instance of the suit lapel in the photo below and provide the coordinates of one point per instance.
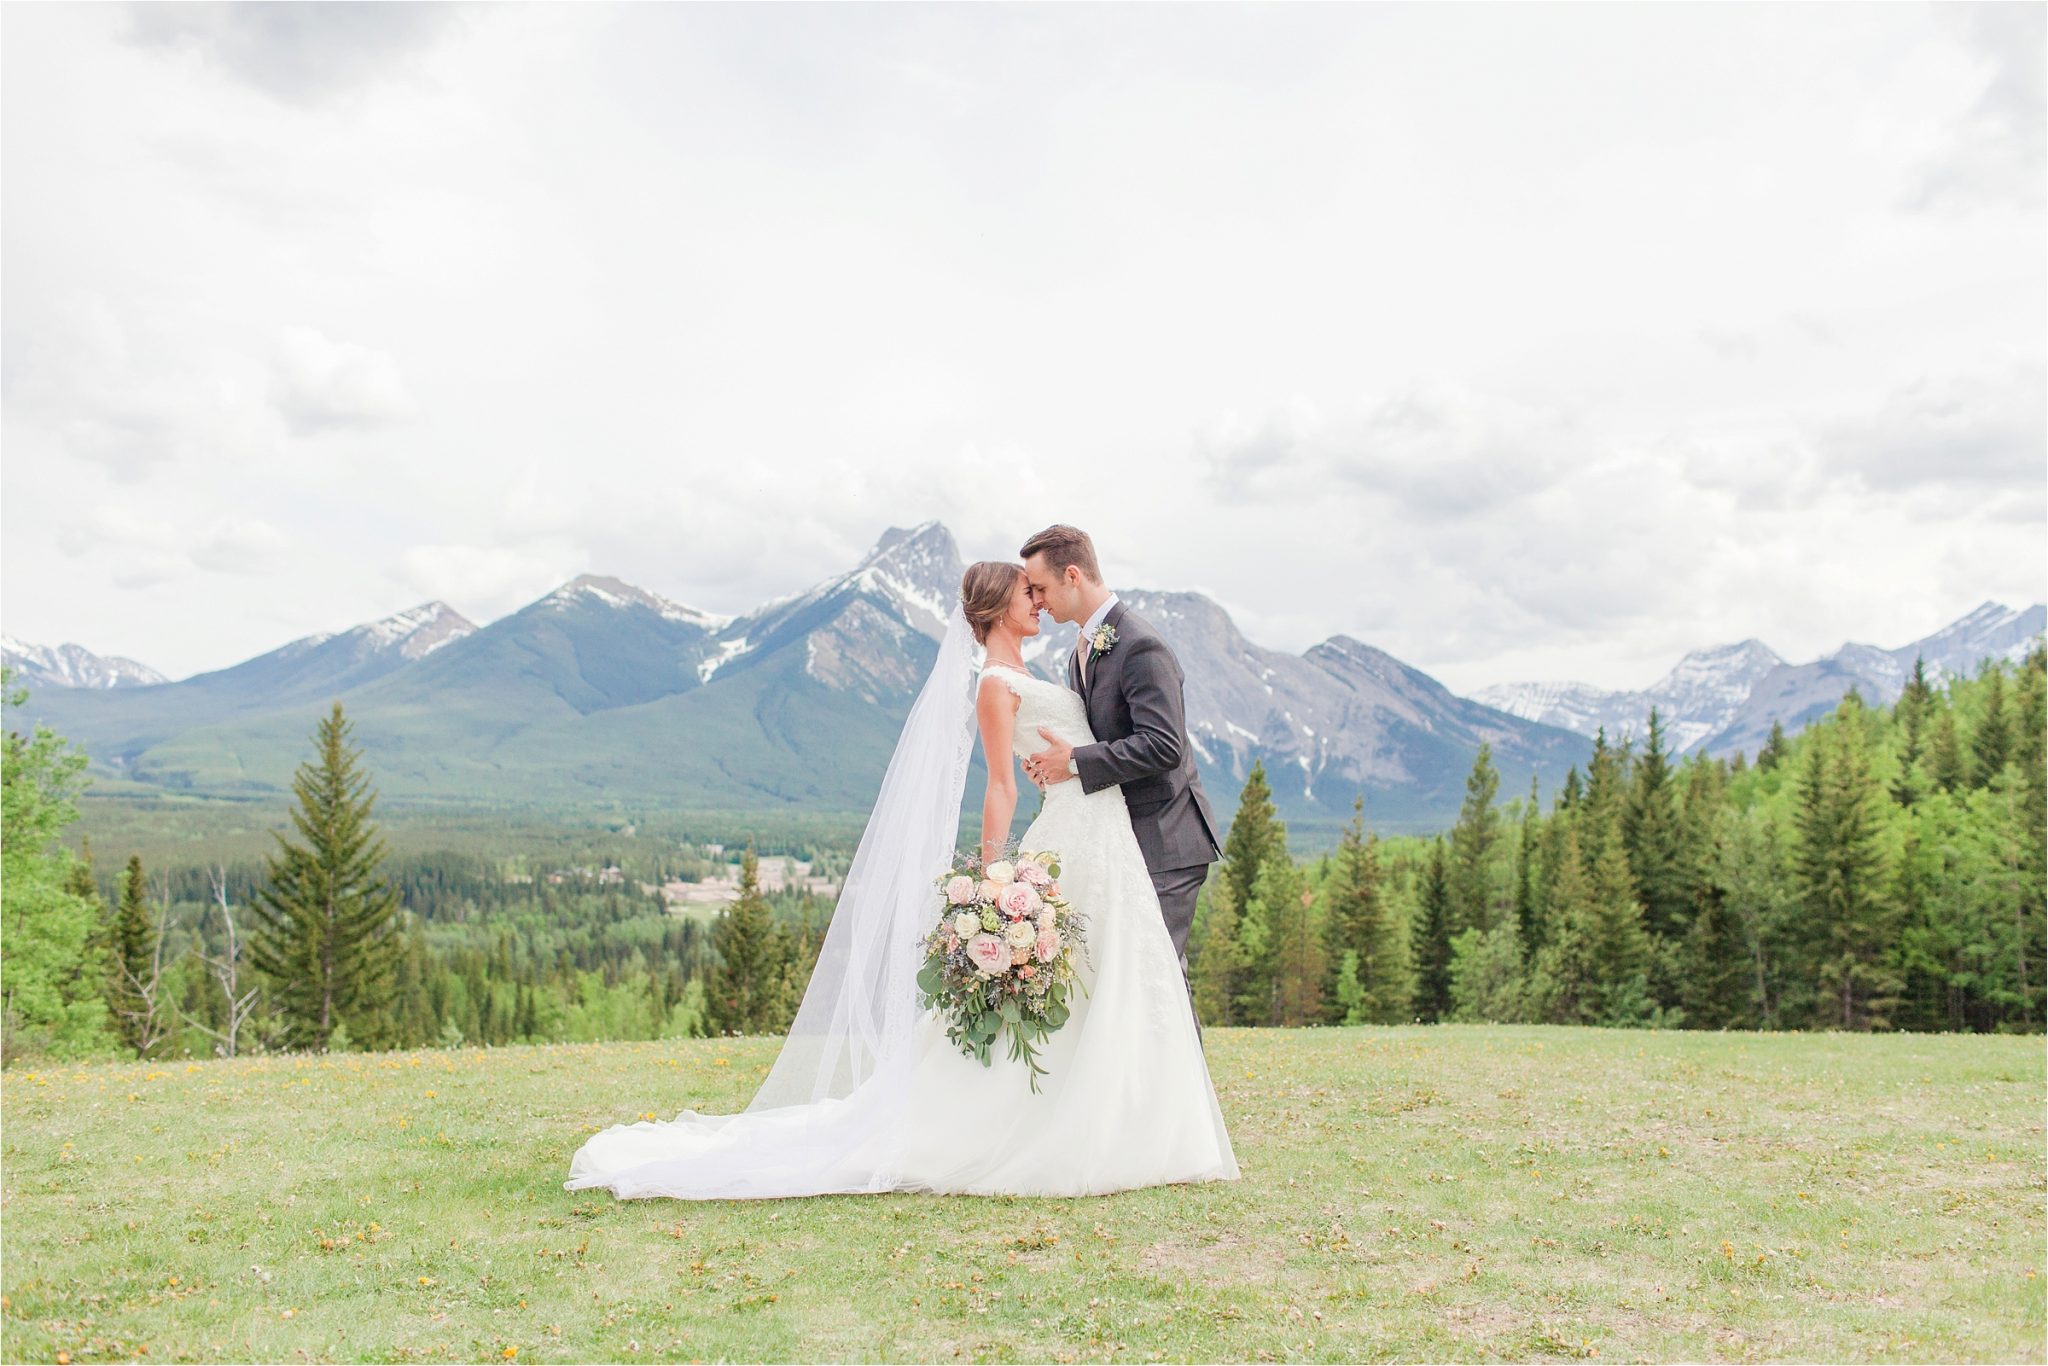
(1098, 663)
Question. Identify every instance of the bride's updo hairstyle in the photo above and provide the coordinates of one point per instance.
(985, 592)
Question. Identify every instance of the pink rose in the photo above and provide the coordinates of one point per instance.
(1018, 900)
(990, 954)
(989, 890)
(960, 890)
(1033, 874)
(1048, 945)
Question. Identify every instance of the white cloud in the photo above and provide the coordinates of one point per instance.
(301, 53)
(1407, 322)
(145, 549)
(1431, 449)
(1997, 151)
(485, 581)
(321, 385)
(240, 546)
(1967, 435)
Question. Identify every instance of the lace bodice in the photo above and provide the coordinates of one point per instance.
(1043, 703)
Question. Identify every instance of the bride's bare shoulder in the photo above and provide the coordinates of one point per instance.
(995, 681)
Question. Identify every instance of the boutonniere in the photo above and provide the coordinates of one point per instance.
(1099, 643)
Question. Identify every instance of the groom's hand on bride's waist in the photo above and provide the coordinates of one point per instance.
(1054, 763)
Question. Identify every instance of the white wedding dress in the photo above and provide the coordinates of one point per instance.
(1128, 1101)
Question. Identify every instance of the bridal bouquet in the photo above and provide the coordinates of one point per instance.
(1001, 959)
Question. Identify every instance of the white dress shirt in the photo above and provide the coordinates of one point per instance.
(1100, 615)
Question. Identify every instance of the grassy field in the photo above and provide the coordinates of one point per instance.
(1453, 1193)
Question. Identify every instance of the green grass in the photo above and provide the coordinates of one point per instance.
(1439, 1193)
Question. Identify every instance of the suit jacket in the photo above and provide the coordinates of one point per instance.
(1137, 710)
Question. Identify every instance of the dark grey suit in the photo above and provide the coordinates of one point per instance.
(1136, 708)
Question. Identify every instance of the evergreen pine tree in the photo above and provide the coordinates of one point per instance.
(1910, 715)
(2030, 713)
(1349, 996)
(1488, 983)
(1774, 747)
(1255, 833)
(1432, 932)
(416, 1025)
(1472, 842)
(1842, 878)
(1362, 936)
(1528, 915)
(1991, 741)
(1619, 946)
(744, 991)
(1715, 987)
(1945, 752)
(83, 885)
(329, 932)
(1653, 837)
(131, 947)
(1550, 840)
(1260, 933)
(2029, 833)
(1298, 965)
(1219, 971)
(1564, 985)
(1606, 792)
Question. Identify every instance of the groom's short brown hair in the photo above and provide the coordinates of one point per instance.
(1064, 545)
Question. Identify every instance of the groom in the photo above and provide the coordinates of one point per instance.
(1131, 684)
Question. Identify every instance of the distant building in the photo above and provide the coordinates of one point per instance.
(776, 873)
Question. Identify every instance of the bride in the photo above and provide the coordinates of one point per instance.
(868, 1094)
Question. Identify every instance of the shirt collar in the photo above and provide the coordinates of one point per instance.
(1101, 615)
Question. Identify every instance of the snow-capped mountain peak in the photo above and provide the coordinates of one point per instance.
(1726, 697)
(617, 593)
(917, 569)
(418, 631)
(74, 666)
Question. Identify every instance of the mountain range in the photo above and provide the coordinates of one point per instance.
(73, 666)
(601, 693)
(1724, 699)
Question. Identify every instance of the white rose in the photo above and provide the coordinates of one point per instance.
(1002, 873)
(966, 924)
(1022, 934)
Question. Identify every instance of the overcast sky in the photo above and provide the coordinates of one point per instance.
(1522, 342)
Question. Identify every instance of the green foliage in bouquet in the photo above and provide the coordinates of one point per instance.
(1002, 960)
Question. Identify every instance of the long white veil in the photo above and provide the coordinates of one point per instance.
(858, 1012)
